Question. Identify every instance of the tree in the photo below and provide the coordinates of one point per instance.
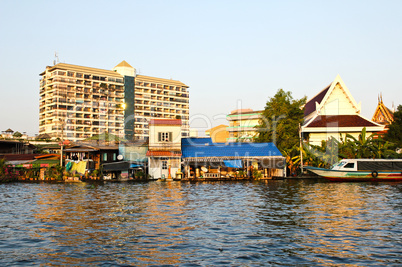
(361, 146)
(394, 133)
(280, 121)
(3, 167)
(17, 134)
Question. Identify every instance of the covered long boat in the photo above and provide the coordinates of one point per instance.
(362, 170)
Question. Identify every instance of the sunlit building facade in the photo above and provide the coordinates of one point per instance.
(79, 102)
(242, 125)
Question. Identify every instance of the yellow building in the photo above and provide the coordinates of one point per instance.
(242, 125)
(79, 102)
(218, 134)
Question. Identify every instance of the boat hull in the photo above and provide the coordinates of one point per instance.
(356, 176)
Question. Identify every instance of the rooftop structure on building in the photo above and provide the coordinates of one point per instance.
(78, 102)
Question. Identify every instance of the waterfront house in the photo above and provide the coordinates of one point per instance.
(94, 155)
(131, 162)
(333, 112)
(203, 158)
(164, 148)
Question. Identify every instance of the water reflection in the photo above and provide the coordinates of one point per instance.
(123, 221)
(203, 224)
(330, 223)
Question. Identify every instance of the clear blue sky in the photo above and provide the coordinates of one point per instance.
(231, 53)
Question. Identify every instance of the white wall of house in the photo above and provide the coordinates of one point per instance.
(159, 167)
(155, 143)
(164, 139)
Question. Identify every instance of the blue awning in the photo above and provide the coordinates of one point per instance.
(236, 163)
(133, 165)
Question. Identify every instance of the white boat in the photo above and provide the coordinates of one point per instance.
(362, 170)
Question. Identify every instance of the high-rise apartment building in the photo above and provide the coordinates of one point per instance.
(79, 102)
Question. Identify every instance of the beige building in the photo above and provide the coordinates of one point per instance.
(159, 98)
(242, 125)
(79, 102)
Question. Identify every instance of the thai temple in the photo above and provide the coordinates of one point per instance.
(333, 112)
(382, 114)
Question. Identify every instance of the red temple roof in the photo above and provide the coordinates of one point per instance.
(340, 121)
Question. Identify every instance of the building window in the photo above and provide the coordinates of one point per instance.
(164, 165)
(165, 137)
(104, 156)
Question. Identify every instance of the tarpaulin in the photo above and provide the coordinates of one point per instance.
(236, 163)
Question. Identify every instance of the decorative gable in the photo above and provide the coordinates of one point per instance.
(335, 99)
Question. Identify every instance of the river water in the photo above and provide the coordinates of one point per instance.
(274, 223)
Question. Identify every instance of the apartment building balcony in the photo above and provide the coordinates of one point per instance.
(241, 128)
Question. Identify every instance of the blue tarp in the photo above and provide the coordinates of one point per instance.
(134, 165)
(236, 163)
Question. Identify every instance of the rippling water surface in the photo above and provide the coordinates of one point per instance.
(306, 223)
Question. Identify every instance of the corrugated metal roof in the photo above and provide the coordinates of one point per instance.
(192, 141)
(203, 147)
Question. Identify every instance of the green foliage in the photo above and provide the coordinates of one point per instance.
(394, 134)
(17, 134)
(3, 167)
(105, 137)
(257, 174)
(373, 146)
(140, 174)
(280, 121)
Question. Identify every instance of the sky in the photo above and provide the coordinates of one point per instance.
(231, 54)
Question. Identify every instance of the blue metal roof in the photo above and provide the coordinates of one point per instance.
(194, 141)
(203, 147)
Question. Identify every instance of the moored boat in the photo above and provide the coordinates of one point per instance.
(362, 170)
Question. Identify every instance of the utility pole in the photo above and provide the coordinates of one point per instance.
(301, 149)
(62, 142)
